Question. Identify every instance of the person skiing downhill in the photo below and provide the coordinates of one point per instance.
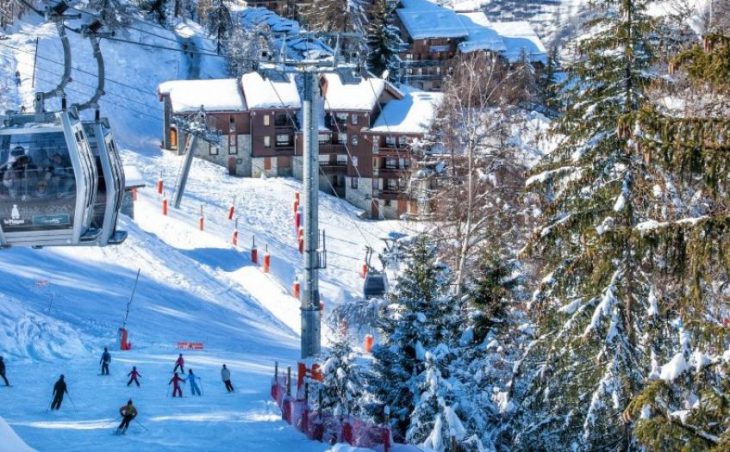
(133, 376)
(106, 358)
(193, 379)
(180, 363)
(176, 389)
(59, 389)
(128, 412)
(226, 377)
(2, 371)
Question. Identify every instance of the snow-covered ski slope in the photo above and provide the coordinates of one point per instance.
(59, 307)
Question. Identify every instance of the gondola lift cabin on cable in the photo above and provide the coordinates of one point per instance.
(61, 178)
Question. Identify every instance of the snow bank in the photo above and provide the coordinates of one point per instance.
(10, 441)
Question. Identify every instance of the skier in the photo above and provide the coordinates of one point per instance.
(180, 363)
(128, 412)
(176, 389)
(192, 378)
(2, 371)
(226, 377)
(59, 389)
(133, 376)
(105, 360)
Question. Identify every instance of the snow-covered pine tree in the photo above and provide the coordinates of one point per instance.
(336, 15)
(341, 390)
(384, 40)
(219, 23)
(243, 50)
(685, 404)
(594, 337)
(423, 315)
(435, 422)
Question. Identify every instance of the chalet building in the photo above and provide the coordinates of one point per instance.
(364, 140)
(434, 35)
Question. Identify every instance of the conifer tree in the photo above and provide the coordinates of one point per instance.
(593, 337)
(384, 40)
(422, 316)
(115, 14)
(341, 390)
(219, 23)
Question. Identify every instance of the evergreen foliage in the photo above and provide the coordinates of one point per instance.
(341, 390)
(219, 23)
(422, 316)
(589, 357)
(384, 40)
(115, 14)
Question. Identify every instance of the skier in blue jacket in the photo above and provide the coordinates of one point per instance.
(193, 379)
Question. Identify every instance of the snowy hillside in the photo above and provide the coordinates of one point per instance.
(59, 307)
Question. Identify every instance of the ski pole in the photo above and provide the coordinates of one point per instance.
(140, 424)
(72, 402)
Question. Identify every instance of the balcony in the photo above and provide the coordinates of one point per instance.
(332, 148)
(391, 171)
(393, 151)
(338, 168)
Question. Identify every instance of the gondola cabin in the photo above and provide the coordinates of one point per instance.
(49, 181)
(375, 285)
(110, 185)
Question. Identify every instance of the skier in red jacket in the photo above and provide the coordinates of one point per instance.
(179, 363)
(176, 389)
(133, 376)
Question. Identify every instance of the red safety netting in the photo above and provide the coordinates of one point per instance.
(326, 427)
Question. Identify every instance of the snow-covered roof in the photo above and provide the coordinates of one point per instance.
(255, 17)
(270, 93)
(481, 35)
(360, 96)
(412, 114)
(518, 36)
(423, 19)
(214, 95)
(464, 5)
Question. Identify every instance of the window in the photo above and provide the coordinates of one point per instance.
(267, 121)
(353, 182)
(342, 159)
(324, 159)
(232, 144)
(390, 141)
(283, 139)
(281, 120)
(231, 124)
(354, 140)
(391, 184)
(342, 137)
(324, 138)
(386, 203)
(267, 141)
(354, 161)
(354, 118)
(342, 117)
(403, 140)
(409, 56)
(212, 150)
(391, 163)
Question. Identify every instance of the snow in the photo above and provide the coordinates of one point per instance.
(263, 93)
(424, 19)
(187, 96)
(519, 36)
(650, 225)
(481, 36)
(674, 368)
(360, 96)
(653, 310)
(411, 115)
(10, 441)
(252, 18)
(571, 307)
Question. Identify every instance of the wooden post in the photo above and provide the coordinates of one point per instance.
(288, 381)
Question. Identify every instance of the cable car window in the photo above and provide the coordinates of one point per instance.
(38, 189)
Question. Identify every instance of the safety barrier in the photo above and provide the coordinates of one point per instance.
(323, 426)
(184, 345)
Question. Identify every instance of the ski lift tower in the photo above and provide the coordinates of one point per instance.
(310, 67)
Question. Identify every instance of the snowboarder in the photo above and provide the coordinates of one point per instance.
(192, 378)
(2, 371)
(226, 377)
(105, 360)
(133, 376)
(59, 389)
(180, 363)
(176, 389)
(128, 412)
